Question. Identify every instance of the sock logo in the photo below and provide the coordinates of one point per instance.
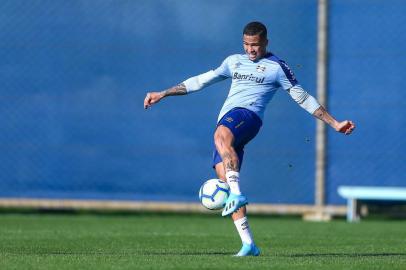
(244, 225)
(233, 178)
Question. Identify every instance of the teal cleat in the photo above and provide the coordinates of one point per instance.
(248, 250)
(233, 203)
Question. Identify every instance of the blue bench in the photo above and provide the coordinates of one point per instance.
(355, 194)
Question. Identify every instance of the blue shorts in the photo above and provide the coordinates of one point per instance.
(244, 124)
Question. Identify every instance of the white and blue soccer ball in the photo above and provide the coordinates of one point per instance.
(213, 194)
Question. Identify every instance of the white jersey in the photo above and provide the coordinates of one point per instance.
(254, 83)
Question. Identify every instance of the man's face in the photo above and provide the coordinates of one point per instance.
(255, 46)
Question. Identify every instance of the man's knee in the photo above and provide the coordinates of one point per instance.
(223, 138)
(219, 142)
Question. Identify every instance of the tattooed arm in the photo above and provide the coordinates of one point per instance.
(155, 97)
(191, 85)
(345, 127)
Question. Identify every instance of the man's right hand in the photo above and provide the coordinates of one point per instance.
(152, 98)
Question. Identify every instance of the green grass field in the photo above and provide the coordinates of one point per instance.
(152, 241)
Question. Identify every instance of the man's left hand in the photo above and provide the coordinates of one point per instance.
(345, 127)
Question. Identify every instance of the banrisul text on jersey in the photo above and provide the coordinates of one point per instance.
(248, 77)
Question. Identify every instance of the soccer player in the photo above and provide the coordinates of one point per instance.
(255, 75)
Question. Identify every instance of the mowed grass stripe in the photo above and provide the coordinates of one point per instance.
(44, 241)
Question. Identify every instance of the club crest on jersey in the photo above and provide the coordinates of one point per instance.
(261, 68)
(237, 65)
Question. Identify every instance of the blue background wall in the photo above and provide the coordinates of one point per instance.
(367, 67)
(74, 75)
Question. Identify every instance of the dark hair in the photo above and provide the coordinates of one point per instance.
(255, 28)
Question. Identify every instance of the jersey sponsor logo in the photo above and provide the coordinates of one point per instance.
(248, 77)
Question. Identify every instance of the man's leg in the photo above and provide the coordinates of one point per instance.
(228, 170)
(222, 175)
(224, 139)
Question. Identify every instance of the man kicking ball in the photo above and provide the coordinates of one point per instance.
(256, 75)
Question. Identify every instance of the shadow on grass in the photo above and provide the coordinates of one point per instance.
(352, 255)
(142, 253)
(201, 253)
(187, 253)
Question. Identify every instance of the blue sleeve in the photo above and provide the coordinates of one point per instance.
(224, 69)
(286, 77)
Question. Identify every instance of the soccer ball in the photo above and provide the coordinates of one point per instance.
(214, 193)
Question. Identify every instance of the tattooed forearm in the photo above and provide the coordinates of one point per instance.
(323, 115)
(177, 90)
